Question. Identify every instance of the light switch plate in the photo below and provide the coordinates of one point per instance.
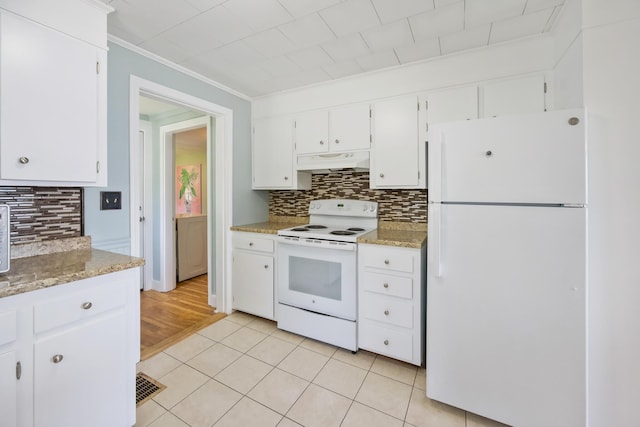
(110, 200)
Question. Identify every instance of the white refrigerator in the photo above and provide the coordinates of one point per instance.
(506, 279)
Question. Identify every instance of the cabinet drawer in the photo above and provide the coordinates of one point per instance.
(387, 310)
(387, 259)
(253, 243)
(388, 285)
(78, 306)
(396, 344)
(8, 327)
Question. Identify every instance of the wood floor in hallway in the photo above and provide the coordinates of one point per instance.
(168, 317)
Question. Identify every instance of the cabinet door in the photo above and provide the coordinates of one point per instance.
(81, 374)
(253, 283)
(273, 153)
(312, 133)
(48, 104)
(394, 155)
(514, 96)
(452, 105)
(349, 128)
(8, 388)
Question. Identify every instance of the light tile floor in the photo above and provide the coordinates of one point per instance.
(243, 371)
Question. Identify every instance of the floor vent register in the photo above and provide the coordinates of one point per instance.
(146, 388)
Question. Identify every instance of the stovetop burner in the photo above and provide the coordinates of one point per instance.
(342, 233)
(355, 229)
(315, 226)
(300, 229)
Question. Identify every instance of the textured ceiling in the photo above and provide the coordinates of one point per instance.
(258, 47)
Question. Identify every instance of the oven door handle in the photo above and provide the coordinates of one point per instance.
(317, 243)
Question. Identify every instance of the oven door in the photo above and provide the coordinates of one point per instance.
(319, 277)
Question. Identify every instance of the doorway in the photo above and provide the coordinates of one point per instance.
(162, 254)
(169, 206)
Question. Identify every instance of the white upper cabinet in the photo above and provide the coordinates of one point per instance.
(312, 132)
(273, 157)
(337, 130)
(397, 160)
(514, 96)
(350, 128)
(52, 106)
(449, 105)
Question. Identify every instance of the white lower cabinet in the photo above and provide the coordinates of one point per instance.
(391, 291)
(8, 388)
(253, 275)
(8, 367)
(77, 346)
(76, 368)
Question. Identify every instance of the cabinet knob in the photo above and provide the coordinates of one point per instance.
(87, 305)
(386, 262)
(386, 312)
(488, 153)
(337, 141)
(250, 243)
(24, 160)
(386, 342)
(57, 358)
(266, 266)
(386, 285)
(381, 175)
(321, 142)
(286, 178)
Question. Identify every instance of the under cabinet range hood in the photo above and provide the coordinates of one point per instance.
(357, 161)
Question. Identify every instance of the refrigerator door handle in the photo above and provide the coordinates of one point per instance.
(442, 154)
(435, 239)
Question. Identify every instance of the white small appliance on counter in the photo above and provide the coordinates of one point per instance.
(317, 279)
(5, 249)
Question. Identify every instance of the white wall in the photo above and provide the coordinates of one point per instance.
(611, 95)
(496, 61)
(568, 75)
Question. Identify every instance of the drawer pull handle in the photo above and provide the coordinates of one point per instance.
(386, 285)
(87, 305)
(386, 342)
(57, 358)
(386, 262)
(386, 312)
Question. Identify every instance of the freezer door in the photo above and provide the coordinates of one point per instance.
(531, 158)
(506, 312)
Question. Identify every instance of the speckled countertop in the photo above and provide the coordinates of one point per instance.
(272, 226)
(52, 265)
(400, 234)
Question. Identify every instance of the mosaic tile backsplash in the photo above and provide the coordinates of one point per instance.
(393, 205)
(43, 213)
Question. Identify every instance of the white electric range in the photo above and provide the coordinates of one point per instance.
(317, 281)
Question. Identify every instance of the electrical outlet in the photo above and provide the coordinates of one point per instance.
(110, 200)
